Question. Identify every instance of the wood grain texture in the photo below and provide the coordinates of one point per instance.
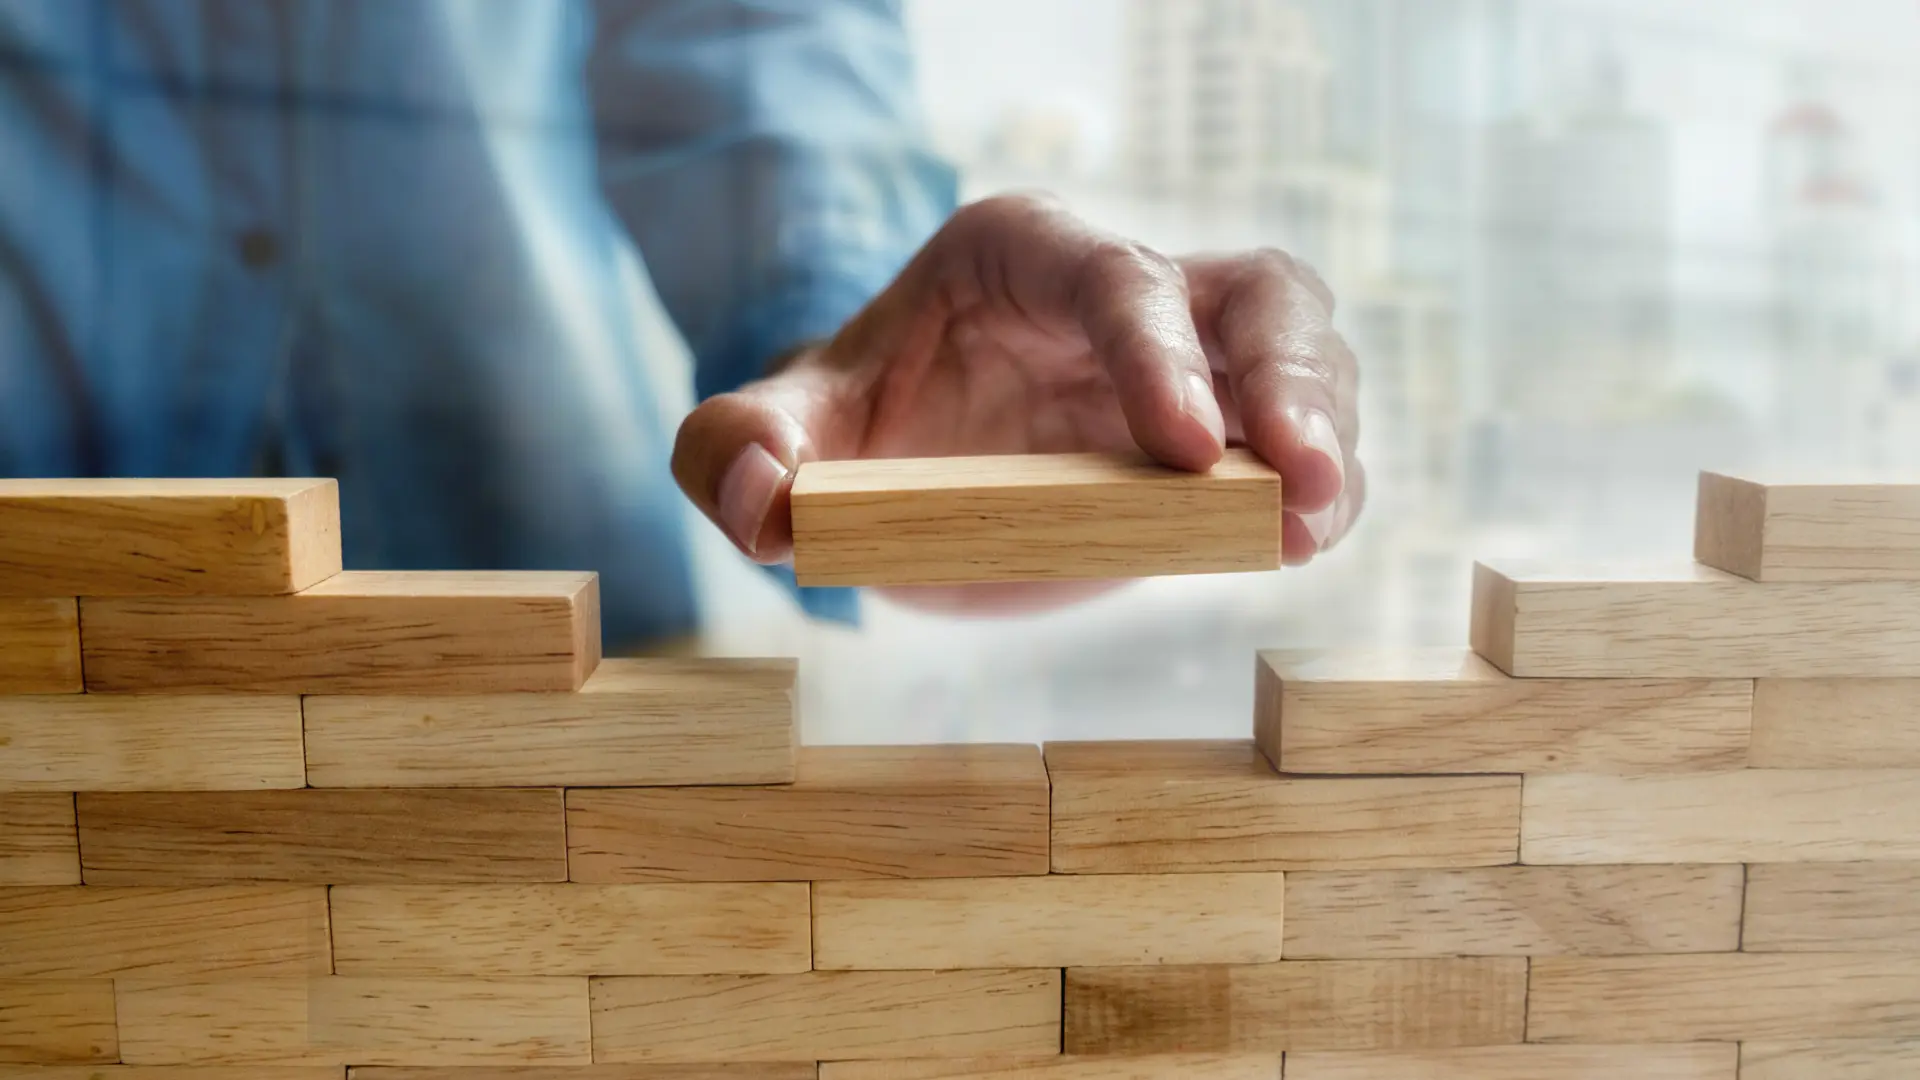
(1836, 724)
(1063, 1067)
(937, 521)
(40, 646)
(1756, 815)
(1684, 620)
(38, 842)
(1444, 710)
(1194, 806)
(1833, 907)
(433, 632)
(172, 1072)
(1703, 1061)
(1774, 529)
(711, 1071)
(323, 837)
(103, 742)
(827, 1015)
(93, 931)
(241, 537)
(570, 929)
(1055, 921)
(1724, 997)
(1296, 1005)
(636, 722)
(339, 1020)
(1513, 911)
(57, 1022)
(1855, 1059)
(852, 812)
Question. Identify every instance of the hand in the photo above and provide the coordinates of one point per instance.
(1021, 329)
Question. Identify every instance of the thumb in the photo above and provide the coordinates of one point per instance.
(736, 455)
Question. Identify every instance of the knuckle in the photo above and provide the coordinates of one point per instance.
(1112, 262)
(1004, 210)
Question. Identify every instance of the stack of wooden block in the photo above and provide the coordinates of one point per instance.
(300, 822)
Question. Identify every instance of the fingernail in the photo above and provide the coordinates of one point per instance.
(746, 494)
(1317, 431)
(1200, 404)
(1320, 525)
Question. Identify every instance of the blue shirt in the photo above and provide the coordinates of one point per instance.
(415, 244)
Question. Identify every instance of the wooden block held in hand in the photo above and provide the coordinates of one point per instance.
(1833, 907)
(1296, 1005)
(1197, 806)
(372, 836)
(1788, 531)
(1696, 1061)
(636, 722)
(852, 812)
(38, 842)
(1445, 710)
(941, 521)
(1725, 997)
(570, 929)
(1836, 724)
(1689, 621)
(338, 1020)
(827, 1015)
(1513, 911)
(105, 742)
(40, 646)
(1754, 815)
(1840, 1059)
(433, 632)
(1054, 921)
(707, 1071)
(57, 1022)
(215, 537)
(1063, 1067)
(93, 931)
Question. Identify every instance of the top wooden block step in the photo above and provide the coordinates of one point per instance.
(1781, 530)
(261, 537)
(934, 521)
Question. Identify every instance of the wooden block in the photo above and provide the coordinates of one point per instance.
(825, 1015)
(1723, 997)
(1833, 907)
(57, 1021)
(1777, 529)
(568, 929)
(1063, 1067)
(39, 646)
(1756, 815)
(1702, 1061)
(1836, 724)
(355, 633)
(1160, 807)
(1513, 911)
(934, 521)
(38, 843)
(1296, 1005)
(172, 1072)
(1689, 621)
(1054, 921)
(93, 931)
(1448, 711)
(101, 742)
(323, 837)
(636, 722)
(251, 537)
(337, 1020)
(852, 812)
(709, 1071)
(1854, 1059)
